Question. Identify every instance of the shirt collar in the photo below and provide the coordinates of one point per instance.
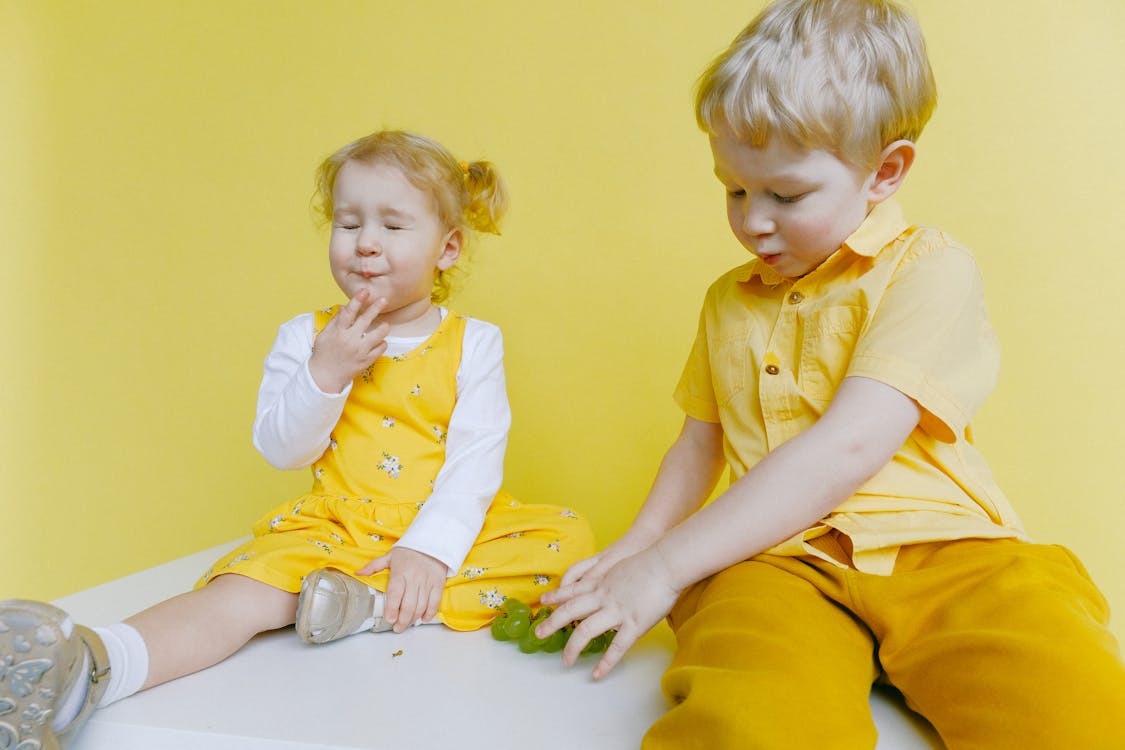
(883, 224)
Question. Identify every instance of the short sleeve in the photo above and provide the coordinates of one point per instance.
(930, 336)
(695, 393)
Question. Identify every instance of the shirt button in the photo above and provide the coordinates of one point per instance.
(773, 369)
(795, 297)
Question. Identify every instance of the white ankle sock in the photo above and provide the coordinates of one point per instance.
(128, 661)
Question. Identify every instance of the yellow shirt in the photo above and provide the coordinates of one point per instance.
(901, 305)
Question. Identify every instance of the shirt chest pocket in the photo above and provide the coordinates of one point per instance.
(730, 360)
(828, 339)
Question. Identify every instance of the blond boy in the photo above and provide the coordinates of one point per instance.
(836, 374)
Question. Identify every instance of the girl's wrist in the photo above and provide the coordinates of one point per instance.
(324, 379)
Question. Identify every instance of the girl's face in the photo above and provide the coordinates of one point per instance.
(790, 206)
(387, 238)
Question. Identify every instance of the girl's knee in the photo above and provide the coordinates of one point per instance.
(252, 601)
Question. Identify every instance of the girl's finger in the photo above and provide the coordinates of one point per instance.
(434, 604)
(377, 351)
(365, 318)
(375, 336)
(348, 312)
(408, 612)
(394, 598)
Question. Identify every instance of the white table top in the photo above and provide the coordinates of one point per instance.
(445, 690)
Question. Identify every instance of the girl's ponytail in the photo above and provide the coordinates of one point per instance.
(488, 199)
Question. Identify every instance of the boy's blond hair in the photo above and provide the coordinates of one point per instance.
(846, 76)
(467, 195)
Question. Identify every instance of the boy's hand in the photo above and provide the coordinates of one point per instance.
(593, 568)
(346, 347)
(631, 597)
(414, 588)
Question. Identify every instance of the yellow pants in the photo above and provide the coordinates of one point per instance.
(999, 644)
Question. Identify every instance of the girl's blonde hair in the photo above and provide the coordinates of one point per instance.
(847, 76)
(466, 195)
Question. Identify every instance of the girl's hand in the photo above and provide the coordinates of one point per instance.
(414, 588)
(631, 597)
(348, 344)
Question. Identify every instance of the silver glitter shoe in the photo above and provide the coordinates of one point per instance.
(41, 659)
(333, 605)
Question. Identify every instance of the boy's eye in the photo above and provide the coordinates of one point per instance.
(788, 198)
(736, 193)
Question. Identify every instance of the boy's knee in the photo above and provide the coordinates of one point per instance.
(716, 709)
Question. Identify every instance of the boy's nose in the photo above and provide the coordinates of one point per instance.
(756, 222)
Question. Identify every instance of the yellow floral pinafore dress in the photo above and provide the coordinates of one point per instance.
(383, 456)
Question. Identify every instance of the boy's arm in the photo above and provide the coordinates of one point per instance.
(791, 489)
(796, 485)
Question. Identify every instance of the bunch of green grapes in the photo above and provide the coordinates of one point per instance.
(516, 623)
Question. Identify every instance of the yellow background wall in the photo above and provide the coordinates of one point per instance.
(156, 162)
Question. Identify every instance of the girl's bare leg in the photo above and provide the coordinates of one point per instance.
(195, 630)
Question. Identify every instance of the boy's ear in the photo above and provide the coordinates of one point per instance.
(451, 249)
(895, 161)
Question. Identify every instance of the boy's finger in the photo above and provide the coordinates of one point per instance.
(579, 569)
(622, 642)
(590, 628)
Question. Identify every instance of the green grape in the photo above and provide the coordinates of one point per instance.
(529, 642)
(515, 622)
(497, 628)
(515, 626)
(596, 645)
(557, 640)
(516, 607)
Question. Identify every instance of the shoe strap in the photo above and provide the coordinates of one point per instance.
(98, 679)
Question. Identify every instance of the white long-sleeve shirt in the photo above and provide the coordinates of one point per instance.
(295, 419)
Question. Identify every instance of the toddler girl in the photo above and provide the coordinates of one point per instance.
(399, 407)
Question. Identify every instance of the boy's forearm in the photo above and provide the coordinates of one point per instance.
(786, 492)
(794, 486)
(688, 473)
